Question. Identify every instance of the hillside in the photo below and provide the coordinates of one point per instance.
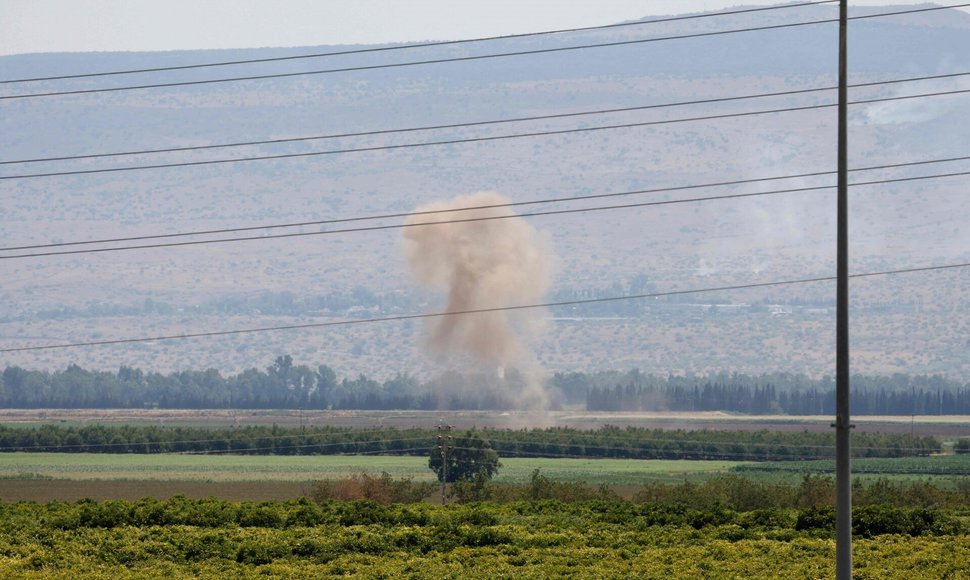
(914, 323)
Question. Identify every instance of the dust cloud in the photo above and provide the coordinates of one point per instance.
(483, 263)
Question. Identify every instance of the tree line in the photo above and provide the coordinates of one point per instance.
(868, 396)
(287, 385)
(606, 442)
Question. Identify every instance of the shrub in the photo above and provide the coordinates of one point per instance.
(206, 546)
(767, 518)
(541, 487)
(363, 512)
(263, 515)
(816, 518)
(816, 490)
(256, 553)
(872, 521)
(306, 515)
(383, 489)
(472, 490)
(106, 514)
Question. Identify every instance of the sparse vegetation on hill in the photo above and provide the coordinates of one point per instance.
(913, 323)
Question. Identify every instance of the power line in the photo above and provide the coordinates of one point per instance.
(418, 45)
(470, 139)
(407, 64)
(481, 219)
(473, 58)
(474, 123)
(483, 310)
(477, 208)
(499, 437)
(424, 128)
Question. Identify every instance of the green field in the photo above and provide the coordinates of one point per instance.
(208, 538)
(227, 468)
(945, 471)
(283, 468)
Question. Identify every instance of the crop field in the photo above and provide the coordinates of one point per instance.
(214, 468)
(228, 468)
(151, 515)
(72, 476)
(942, 465)
(44, 476)
(181, 537)
(946, 425)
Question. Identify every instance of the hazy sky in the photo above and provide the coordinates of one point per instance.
(96, 25)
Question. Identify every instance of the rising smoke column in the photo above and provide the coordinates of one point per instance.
(482, 264)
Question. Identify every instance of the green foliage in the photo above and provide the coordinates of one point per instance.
(820, 518)
(528, 538)
(957, 465)
(541, 487)
(475, 489)
(287, 385)
(383, 489)
(463, 457)
(870, 521)
(607, 442)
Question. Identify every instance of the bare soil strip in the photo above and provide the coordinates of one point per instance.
(64, 490)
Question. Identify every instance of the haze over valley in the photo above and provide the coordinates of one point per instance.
(913, 323)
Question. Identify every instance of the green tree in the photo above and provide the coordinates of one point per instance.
(468, 455)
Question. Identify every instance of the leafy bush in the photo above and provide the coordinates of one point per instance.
(363, 512)
(870, 521)
(767, 518)
(258, 553)
(263, 515)
(107, 514)
(816, 518)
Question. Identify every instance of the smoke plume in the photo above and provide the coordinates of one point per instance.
(489, 263)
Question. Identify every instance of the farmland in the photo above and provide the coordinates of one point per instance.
(531, 539)
(920, 425)
(61, 476)
(243, 457)
(42, 476)
(157, 514)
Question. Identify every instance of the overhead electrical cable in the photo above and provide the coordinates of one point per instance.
(483, 207)
(483, 218)
(470, 139)
(472, 58)
(479, 219)
(404, 317)
(475, 123)
(408, 64)
(420, 44)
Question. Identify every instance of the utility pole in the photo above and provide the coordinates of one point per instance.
(843, 468)
(444, 443)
